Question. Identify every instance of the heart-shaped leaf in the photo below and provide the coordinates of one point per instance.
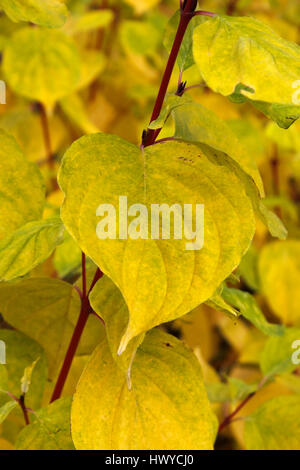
(160, 279)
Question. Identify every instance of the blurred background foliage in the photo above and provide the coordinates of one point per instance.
(122, 58)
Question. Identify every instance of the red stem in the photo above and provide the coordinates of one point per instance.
(21, 402)
(186, 15)
(230, 417)
(83, 317)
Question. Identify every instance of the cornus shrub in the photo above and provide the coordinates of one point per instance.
(149, 278)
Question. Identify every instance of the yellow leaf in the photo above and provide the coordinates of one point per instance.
(275, 425)
(22, 192)
(167, 407)
(279, 270)
(41, 64)
(160, 279)
(50, 13)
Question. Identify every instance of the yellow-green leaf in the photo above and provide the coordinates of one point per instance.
(89, 21)
(6, 409)
(107, 301)
(29, 246)
(67, 256)
(160, 279)
(279, 270)
(185, 58)
(250, 310)
(21, 352)
(244, 58)
(49, 13)
(47, 310)
(166, 408)
(198, 124)
(277, 354)
(230, 392)
(22, 192)
(50, 429)
(275, 425)
(41, 64)
(74, 109)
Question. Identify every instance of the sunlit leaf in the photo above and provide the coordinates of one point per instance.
(89, 21)
(41, 64)
(6, 409)
(50, 13)
(279, 270)
(107, 301)
(50, 429)
(248, 307)
(232, 391)
(21, 352)
(29, 246)
(241, 56)
(198, 124)
(22, 192)
(277, 355)
(166, 408)
(47, 310)
(159, 279)
(275, 425)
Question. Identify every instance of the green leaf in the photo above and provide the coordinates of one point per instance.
(232, 391)
(276, 357)
(217, 302)
(50, 429)
(248, 307)
(6, 409)
(49, 13)
(47, 310)
(21, 352)
(185, 58)
(195, 123)
(41, 64)
(167, 407)
(241, 56)
(22, 192)
(275, 425)
(107, 301)
(160, 280)
(279, 271)
(29, 246)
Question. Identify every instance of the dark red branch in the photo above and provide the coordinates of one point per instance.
(186, 15)
(230, 417)
(21, 402)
